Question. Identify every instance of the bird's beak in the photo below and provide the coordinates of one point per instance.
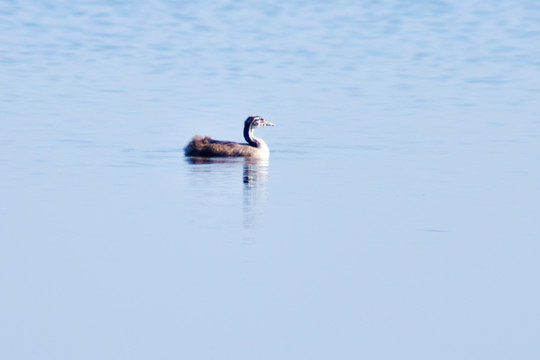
(266, 123)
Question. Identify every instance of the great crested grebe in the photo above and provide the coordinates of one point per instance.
(255, 147)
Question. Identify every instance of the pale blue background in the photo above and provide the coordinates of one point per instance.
(398, 216)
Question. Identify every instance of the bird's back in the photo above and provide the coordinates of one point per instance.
(207, 147)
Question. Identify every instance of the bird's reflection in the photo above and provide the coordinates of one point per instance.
(254, 177)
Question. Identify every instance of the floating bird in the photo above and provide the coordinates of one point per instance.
(255, 147)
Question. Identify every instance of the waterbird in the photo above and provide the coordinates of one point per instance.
(255, 147)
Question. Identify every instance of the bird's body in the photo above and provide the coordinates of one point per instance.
(255, 148)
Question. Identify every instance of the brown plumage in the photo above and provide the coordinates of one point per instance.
(255, 148)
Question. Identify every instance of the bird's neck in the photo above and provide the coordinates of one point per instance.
(248, 135)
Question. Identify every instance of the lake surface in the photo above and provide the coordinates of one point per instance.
(397, 217)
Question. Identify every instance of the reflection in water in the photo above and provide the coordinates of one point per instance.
(254, 177)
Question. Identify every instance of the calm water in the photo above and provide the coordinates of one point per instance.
(397, 218)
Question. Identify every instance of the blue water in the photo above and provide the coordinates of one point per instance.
(397, 217)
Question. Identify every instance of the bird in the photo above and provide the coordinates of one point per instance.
(255, 147)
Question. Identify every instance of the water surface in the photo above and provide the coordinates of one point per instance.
(396, 218)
